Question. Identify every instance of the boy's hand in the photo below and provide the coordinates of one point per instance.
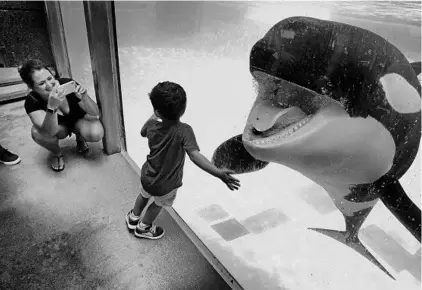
(231, 182)
(224, 174)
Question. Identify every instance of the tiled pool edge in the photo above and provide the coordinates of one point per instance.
(212, 259)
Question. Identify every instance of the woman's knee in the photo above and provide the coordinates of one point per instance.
(92, 131)
(39, 136)
(97, 131)
(36, 134)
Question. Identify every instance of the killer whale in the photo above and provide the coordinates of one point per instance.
(326, 107)
(417, 67)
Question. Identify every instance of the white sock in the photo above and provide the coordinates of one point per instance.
(141, 225)
(133, 216)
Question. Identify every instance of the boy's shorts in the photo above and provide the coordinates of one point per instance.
(165, 200)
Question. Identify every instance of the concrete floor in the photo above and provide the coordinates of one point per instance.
(66, 230)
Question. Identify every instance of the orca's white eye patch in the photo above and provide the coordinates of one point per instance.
(403, 97)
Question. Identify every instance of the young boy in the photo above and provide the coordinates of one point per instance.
(162, 173)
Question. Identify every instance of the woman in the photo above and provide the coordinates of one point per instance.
(56, 116)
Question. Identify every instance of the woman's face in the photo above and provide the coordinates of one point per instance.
(44, 82)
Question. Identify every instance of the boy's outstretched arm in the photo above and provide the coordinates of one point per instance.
(202, 162)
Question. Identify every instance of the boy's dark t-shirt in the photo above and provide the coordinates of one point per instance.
(168, 141)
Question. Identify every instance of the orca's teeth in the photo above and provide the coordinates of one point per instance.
(260, 140)
(284, 104)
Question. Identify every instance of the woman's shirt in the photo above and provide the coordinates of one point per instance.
(35, 102)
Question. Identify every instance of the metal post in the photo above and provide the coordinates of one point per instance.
(100, 24)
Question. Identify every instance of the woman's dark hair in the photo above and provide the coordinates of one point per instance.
(169, 99)
(27, 69)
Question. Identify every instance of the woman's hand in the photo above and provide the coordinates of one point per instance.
(80, 91)
(56, 97)
(85, 101)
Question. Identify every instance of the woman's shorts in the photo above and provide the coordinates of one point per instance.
(165, 200)
(67, 122)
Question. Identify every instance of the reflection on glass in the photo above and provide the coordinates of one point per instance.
(260, 233)
(77, 44)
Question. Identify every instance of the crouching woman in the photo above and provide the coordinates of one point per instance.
(55, 115)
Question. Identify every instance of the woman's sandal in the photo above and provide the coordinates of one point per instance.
(82, 147)
(59, 157)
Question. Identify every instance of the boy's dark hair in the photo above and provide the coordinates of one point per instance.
(27, 69)
(169, 99)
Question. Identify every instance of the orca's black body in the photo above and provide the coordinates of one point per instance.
(306, 67)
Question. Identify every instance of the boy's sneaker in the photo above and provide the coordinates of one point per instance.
(8, 158)
(151, 232)
(131, 220)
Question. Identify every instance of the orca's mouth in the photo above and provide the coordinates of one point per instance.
(286, 123)
(282, 129)
(281, 110)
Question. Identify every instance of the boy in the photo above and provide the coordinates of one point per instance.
(162, 173)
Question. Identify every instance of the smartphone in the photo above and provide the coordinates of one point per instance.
(68, 88)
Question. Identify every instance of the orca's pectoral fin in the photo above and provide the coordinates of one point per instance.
(354, 243)
(232, 155)
(417, 67)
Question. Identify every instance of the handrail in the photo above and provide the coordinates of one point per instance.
(11, 82)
